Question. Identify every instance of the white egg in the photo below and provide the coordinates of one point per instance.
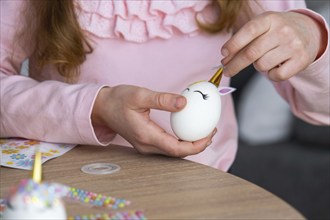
(201, 113)
(34, 201)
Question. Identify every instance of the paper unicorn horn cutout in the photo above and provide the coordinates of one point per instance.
(37, 168)
(216, 78)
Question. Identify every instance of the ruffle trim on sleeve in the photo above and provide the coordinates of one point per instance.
(139, 21)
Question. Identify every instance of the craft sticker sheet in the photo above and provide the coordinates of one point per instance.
(19, 153)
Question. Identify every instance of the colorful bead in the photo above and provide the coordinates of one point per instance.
(136, 215)
(95, 199)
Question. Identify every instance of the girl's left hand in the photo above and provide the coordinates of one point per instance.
(280, 43)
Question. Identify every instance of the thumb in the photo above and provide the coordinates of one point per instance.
(165, 101)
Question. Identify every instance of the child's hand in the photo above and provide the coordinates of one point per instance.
(281, 44)
(125, 110)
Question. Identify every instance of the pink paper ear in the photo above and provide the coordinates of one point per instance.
(226, 90)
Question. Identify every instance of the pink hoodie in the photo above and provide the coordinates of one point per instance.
(153, 44)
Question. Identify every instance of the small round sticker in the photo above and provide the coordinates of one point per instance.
(100, 168)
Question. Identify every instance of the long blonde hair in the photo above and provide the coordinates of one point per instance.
(60, 41)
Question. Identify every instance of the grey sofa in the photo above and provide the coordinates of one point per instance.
(295, 168)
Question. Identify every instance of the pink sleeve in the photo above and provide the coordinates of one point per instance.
(49, 111)
(308, 92)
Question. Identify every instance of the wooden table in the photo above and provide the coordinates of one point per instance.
(162, 187)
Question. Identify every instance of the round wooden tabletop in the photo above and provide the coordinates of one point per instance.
(161, 187)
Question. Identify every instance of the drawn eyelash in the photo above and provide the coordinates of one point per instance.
(205, 96)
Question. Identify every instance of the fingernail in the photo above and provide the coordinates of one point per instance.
(180, 102)
(224, 52)
(214, 132)
(208, 143)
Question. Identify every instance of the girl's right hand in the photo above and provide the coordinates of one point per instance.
(125, 110)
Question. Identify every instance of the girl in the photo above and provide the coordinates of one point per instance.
(96, 68)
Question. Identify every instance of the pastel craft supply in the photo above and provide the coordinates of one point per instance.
(19, 153)
(203, 109)
(94, 199)
(38, 201)
(35, 199)
(136, 215)
(32, 199)
(37, 169)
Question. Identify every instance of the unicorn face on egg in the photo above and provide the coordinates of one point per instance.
(201, 113)
(31, 200)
